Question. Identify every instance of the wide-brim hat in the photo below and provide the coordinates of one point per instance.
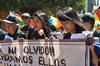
(11, 19)
(43, 17)
(68, 14)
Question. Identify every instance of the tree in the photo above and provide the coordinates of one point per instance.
(51, 5)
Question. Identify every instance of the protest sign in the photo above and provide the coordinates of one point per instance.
(44, 53)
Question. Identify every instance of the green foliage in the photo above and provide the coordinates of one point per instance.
(51, 5)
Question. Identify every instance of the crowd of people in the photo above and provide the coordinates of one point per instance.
(72, 25)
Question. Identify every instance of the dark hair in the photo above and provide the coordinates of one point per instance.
(44, 18)
(88, 18)
(79, 29)
(52, 28)
(67, 14)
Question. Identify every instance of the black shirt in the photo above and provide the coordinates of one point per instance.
(18, 34)
(29, 31)
(2, 34)
(37, 36)
(96, 33)
(67, 36)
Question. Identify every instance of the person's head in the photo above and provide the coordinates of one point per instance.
(88, 21)
(26, 18)
(4, 13)
(41, 21)
(10, 24)
(69, 20)
(0, 24)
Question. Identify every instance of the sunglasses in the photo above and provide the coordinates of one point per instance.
(25, 17)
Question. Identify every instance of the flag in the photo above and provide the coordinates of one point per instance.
(20, 21)
(97, 19)
(32, 22)
(55, 22)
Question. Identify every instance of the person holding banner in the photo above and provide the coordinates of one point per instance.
(10, 25)
(70, 22)
(27, 28)
(89, 21)
(41, 26)
(73, 25)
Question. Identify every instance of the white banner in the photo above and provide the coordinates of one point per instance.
(44, 53)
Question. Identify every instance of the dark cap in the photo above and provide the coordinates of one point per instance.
(88, 17)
